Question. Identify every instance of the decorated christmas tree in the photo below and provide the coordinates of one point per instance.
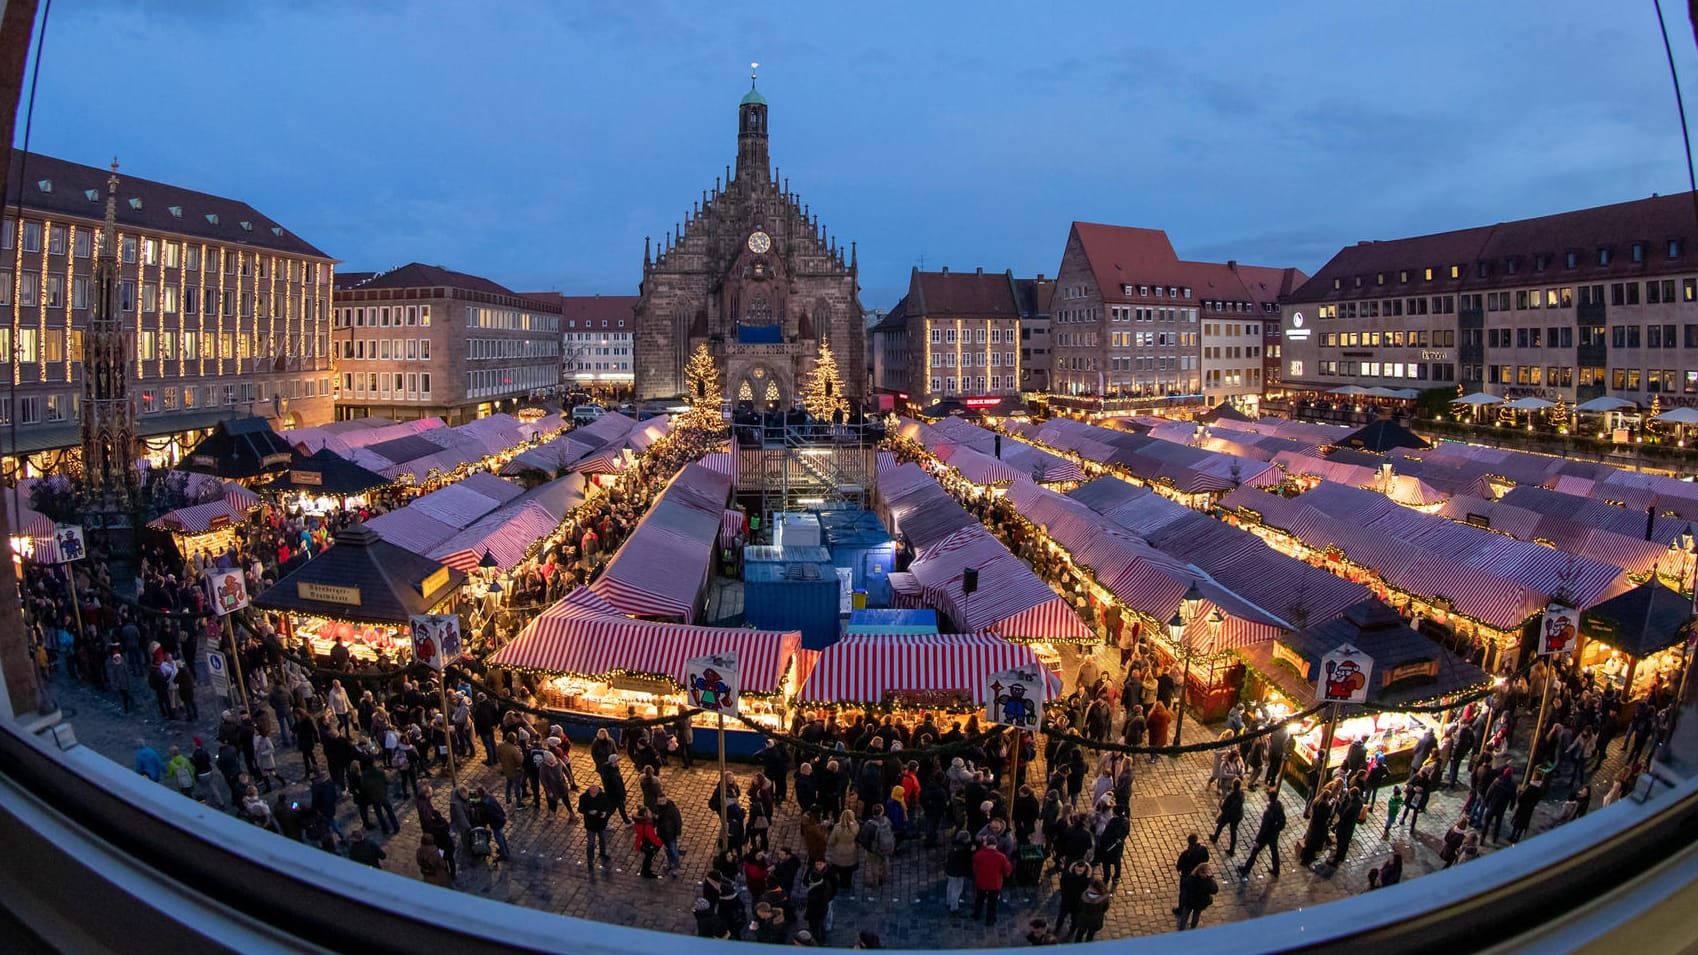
(1558, 416)
(701, 390)
(822, 394)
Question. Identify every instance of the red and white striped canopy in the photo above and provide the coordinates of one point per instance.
(573, 637)
(607, 460)
(864, 668)
(721, 462)
(199, 518)
(730, 526)
(506, 535)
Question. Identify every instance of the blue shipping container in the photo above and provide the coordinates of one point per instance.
(857, 540)
(793, 588)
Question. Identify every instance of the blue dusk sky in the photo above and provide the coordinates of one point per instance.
(537, 143)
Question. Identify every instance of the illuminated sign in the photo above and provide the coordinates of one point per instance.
(328, 593)
(313, 478)
(1297, 333)
(981, 402)
(1436, 355)
(436, 581)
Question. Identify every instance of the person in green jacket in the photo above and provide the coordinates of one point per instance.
(1392, 806)
(180, 772)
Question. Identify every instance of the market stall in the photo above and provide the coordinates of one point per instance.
(324, 482)
(1408, 669)
(662, 567)
(208, 529)
(913, 671)
(240, 448)
(1634, 640)
(583, 655)
(362, 591)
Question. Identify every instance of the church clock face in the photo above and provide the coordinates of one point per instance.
(759, 242)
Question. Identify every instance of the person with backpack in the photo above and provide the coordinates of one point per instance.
(180, 771)
(879, 840)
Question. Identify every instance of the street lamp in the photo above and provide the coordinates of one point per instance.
(1684, 539)
(1187, 611)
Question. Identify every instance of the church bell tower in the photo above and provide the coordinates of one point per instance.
(751, 134)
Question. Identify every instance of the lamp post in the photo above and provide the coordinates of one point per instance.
(1685, 540)
(1182, 618)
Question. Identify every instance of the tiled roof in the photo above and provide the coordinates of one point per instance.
(970, 294)
(68, 188)
(1121, 256)
(416, 275)
(1653, 221)
(894, 321)
(593, 311)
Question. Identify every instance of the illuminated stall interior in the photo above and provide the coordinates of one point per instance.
(1409, 669)
(362, 590)
(1632, 639)
(324, 482)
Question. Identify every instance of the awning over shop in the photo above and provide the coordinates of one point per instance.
(243, 447)
(363, 578)
(660, 569)
(1408, 667)
(328, 473)
(1640, 622)
(949, 669)
(506, 534)
(583, 634)
(199, 518)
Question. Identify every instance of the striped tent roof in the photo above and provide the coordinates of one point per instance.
(865, 668)
(411, 530)
(456, 505)
(578, 635)
(506, 535)
(198, 518)
(660, 569)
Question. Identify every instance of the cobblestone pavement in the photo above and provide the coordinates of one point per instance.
(548, 872)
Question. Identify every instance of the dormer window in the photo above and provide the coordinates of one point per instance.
(45, 185)
(92, 194)
(1572, 260)
(212, 217)
(176, 212)
(247, 226)
(1509, 265)
(1604, 256)
(276, 230)
(1638, 252)
(1380, 279)
(135, 203)
(1674, 248)
(1540, 262)
(1403, 276)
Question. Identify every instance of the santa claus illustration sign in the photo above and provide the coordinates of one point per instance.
(1344, 676)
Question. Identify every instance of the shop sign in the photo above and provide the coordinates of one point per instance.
(1344, 676)
(1016, 697)
(436, 638)
(306, 478)
(1561, 626)
(436, 581)
(68, 541)
(271, 459)
(927, 699)
(218, 522)
(712, 683)
(228, 590)
(1297, 332)
(328, 593)
(1428, 668)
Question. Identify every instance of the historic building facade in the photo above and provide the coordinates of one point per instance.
(224, 312)
(1576, 305)
(421, 341)
(751, 274)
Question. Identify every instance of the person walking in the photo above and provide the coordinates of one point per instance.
(877, 837)
(596, 810)
(990, 869)
(613, 784)
(1196, 893)
(1111, 845)
(374, 785)
(1070, 890)
(118, 678)
(1524, 806)
(669, 825)
(818, 888)
(1351, 811)
(647, 842)
(1498, 797)
(1230, 815)
(957, 869)
(1267, 837)
(775, 765)
(1194, 854)
(495, 818)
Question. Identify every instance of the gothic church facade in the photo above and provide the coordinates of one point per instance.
(753, 276)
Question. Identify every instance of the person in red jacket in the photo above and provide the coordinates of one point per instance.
(990, 868)
(648, 841)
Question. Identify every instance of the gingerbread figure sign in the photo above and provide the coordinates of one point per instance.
(229, 591)
(712, 683)
(1562, 625)
(1344, 676)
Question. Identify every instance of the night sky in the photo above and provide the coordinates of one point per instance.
(538, 143)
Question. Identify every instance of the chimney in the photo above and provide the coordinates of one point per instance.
(946, 270)
(1232, 264)
(1040, 278)
(981, 270)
